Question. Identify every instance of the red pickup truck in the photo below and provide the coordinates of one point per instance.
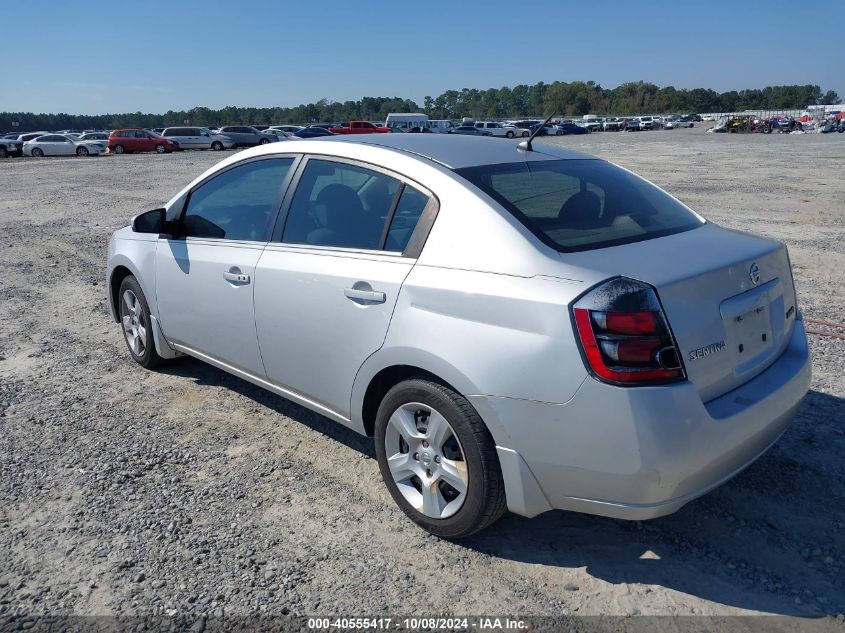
(360, 127)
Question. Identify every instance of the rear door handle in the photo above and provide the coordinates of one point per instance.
(373, 296)
(236, 277)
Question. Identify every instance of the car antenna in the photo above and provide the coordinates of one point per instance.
(525, 146)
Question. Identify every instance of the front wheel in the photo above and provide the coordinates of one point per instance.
(509, 134)
(526, 134)
(264, 141)
(82, 151)
(137, 324)
(160, 149)
(37, 152)
(217, 146)
(438, 460)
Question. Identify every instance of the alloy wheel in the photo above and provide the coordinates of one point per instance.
(134, 323)
(426, 460)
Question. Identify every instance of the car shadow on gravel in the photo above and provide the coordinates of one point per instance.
(208, 375)
(735, 546)
(770, 540)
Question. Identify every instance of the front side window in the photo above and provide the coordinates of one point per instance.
(575, 205)
(341, 205)
(239, 203)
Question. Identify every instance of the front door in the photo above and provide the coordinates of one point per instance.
(205, 278)
(325, 292)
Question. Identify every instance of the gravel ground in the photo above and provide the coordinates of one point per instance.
(188, 491)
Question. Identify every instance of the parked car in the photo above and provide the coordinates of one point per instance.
(197, 138)
(290, 129)
(246, 136)
(494, 128)
(101, 137)
(517, 131)
(572, 128)
(61, 145)
(516, 329)
(612, 124)
(30, 135)
(646, 123)
(313, 132)
(469, 129)
(593, 125)
(440, 126)
(359, 127)
(632, 124)
(132, 140)
(279, 134)
(10, 147)
(158, 130)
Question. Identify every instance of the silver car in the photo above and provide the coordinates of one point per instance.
(516, 329)
(197, 138)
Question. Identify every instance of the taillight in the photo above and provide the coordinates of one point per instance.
(625, 335)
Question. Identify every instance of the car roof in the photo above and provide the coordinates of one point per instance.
(459, 151)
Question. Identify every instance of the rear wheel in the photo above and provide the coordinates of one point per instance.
(3, 152)
(525, 133)
(137, 324)
(217, 146)
(118, 149)
(264, 141)
(82, 151)
(160, 149)
(509, 134)
(37, 152)
(438, 459)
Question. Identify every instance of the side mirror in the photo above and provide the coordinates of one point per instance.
(149, 222)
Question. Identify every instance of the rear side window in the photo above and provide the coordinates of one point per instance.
(341, 205)
(239, 203)
(405, 218)
(575, 205)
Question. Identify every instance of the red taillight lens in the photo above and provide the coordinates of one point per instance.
(625, 336)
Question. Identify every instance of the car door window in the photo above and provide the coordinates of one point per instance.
(405, 218)
(239, 203)
(338, 204)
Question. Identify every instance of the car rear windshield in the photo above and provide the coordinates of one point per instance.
(577, 205)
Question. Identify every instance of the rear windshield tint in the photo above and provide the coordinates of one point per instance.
(576, 205)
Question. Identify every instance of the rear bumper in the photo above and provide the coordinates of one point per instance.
(640, 453)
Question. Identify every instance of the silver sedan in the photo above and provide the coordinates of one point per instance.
(517, 329)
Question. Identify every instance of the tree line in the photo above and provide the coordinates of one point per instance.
(566, 98)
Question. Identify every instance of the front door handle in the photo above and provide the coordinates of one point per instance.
(238, 278)
(371, 296)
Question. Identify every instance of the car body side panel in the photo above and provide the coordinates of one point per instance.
(510, 336)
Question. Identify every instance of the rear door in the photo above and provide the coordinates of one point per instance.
(205, 278)
(327, 284)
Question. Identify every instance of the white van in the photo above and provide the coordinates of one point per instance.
(406, 120)
(441, 126)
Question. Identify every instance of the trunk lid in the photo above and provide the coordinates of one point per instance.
(728, 296)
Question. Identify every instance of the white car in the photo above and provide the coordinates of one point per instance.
(594, 125)
(646, 122)
(517, 131)
(98, 137)
(61, 145)
(492, 128)
(280, 135)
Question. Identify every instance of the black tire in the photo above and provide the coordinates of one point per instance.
(3, 152)
(118, 149)
(37, 152)
(485, 497)
(526, 134)
(509, 133)
(160, 148)
(149, 357)
(217, 146)
(264, 141)
(82, 151)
